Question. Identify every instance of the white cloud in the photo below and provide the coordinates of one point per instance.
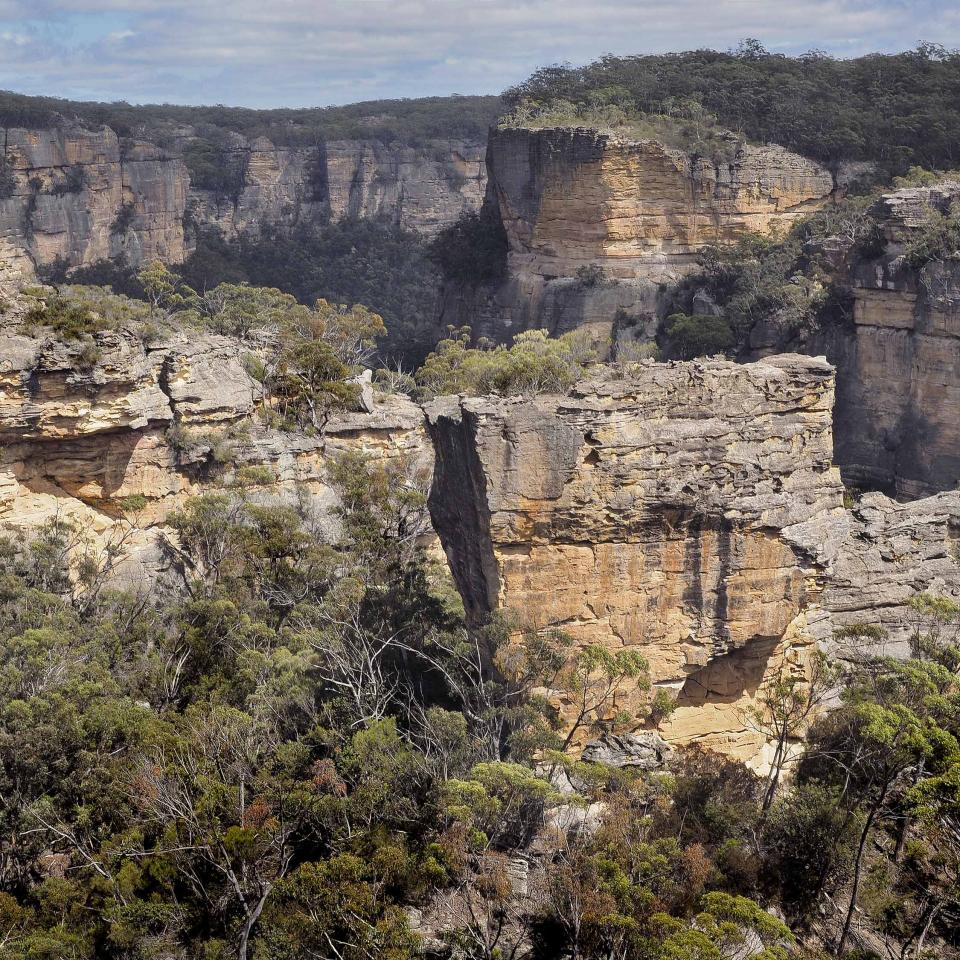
(292, 52)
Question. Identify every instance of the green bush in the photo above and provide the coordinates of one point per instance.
(8, 179)
(74, 180)
(685, 126)
(937, 239)
(124, 218)
(352, 261)
(534, 363)
(899, 110)
(74, 312)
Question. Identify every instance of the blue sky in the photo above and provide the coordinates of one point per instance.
(267, 53)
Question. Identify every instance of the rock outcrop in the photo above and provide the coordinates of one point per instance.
(596, 224)
(113, 434)
(898, 367)
(690, 512)
(78, 196)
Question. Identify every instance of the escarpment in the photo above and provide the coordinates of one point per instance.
(596, 224)
(690, 512)
(898, 363)
(112, 433)
(77, 196)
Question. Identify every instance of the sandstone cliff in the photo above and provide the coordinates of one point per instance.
(688, 511)
(81, 195)
(572, 200)
(898, 368)
(112, 434)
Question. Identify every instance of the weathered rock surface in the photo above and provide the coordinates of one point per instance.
(645, 749)
(898, 368)
(81, 196)
(639, 211)
(81, 433)
(576, 198)
(688, 511)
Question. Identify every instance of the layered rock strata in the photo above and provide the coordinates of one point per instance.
(690, 512)
(898, 367)
(578, 205)
(77, 196)
(114, 442)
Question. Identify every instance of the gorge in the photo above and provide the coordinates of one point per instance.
(486, 528)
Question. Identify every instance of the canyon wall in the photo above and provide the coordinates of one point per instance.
(898, 365)
(690, 512)
(597, 225)
(79, 196)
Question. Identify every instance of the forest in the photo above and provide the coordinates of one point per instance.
(899, 110)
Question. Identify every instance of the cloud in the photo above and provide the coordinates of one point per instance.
(309, 52)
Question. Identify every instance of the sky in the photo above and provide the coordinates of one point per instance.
(271, 53)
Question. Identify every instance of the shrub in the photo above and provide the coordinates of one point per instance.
(937, 239)
(74, 180)
(353, 261)
(124, 219)
(591, 275)
(679, 122)
(68, 318)
(74, 312)
(534, 363)
(216, 164)
(8, 180)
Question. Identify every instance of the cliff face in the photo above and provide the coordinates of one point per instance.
(77, 197)
(571, 200)
(84, 195)
(422, 188)
(898, 369)
(83, 430)
(690, 512)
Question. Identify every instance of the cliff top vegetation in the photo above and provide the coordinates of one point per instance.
(410, 121)
(895, 109)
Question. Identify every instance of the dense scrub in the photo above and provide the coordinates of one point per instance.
(896, 109)
(303, 749)
(411, 121)
(308, 741)
(353, 261)
(787, 282)
(378, 264)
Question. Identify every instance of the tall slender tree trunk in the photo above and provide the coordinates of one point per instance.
(926, 928)
(252, 918)
(857, 873)
(773, 779)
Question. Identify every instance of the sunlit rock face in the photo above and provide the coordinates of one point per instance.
(690, 512)
(575, 200)
(80, 196)
(87, 425)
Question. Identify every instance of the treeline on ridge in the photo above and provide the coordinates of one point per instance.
(895, 109)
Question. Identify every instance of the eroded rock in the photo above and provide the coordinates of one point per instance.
(689, 511)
